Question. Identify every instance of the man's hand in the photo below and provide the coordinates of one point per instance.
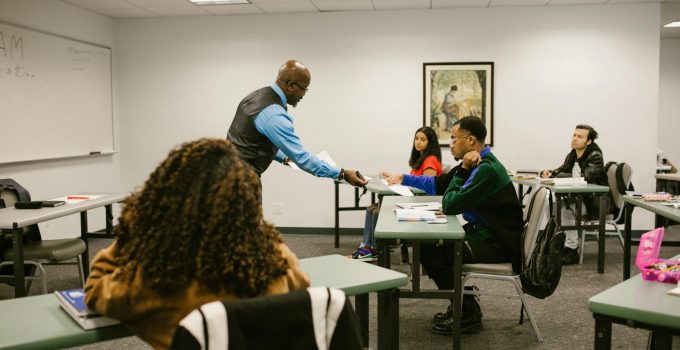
(546, 174)
(471, 160)
(354, 178)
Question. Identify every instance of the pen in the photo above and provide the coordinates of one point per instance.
(77, 197)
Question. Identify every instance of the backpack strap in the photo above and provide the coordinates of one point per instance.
(619, 178)
(609, 164)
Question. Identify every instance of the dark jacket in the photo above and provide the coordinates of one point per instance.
(488, 201)
(592, 169)
(591, 163)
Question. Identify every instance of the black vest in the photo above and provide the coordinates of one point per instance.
(253, 147)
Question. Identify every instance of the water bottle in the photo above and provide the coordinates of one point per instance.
(576, 170)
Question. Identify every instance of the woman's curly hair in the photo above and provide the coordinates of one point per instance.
(198, 217)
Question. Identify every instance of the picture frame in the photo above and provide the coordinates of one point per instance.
(453, 90)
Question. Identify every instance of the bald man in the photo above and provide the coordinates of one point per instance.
(262, 129)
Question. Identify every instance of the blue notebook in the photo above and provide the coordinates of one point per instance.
(73, 299)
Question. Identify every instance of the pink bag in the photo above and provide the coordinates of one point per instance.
(647, 260)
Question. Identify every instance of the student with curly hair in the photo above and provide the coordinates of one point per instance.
(426, 159)
(193, 234)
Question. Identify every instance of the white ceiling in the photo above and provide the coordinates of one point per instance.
(670, 9)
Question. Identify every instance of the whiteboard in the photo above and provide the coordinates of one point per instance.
(55, 96)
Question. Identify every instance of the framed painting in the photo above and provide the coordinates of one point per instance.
(456, 90)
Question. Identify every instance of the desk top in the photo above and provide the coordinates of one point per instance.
(639, 300)
(587, 188)
(654, 207)
(38, 322)
(669, 177)
(389, 227)
(349, 275)
(11, 218)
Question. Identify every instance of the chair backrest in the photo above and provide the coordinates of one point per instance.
(317, 317)
(533, 221)
(626, 173)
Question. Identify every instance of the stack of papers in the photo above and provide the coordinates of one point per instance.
(72, 301)
(415, 215)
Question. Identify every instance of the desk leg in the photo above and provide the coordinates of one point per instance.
(578, 217)
(18, 247)
(337, 214)
(628, 210)
(388, 319)
(109, 220)
(361, 308)
(83, 235)
(603, 334)
(457, 291)
(557, 213)
(661, 340)
(600, 239)
(415, 267)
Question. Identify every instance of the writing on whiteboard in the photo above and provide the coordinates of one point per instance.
(12, 47)
(11, 56)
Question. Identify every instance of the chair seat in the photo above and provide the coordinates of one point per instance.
(51, 250)
(504, 269)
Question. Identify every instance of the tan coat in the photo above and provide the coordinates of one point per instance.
(150, 316)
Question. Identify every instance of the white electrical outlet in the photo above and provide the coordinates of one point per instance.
(277, 208)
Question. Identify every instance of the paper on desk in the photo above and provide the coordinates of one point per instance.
(399, 189)
(81, 198)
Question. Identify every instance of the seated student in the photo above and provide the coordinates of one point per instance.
(588, 155)
(426, 159)
(193, 234)
(481, 190)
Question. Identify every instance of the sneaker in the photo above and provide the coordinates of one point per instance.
(470, 305)
(570, 256)
(468, 325)
(365, 253)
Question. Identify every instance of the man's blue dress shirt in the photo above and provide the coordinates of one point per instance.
(275, 123)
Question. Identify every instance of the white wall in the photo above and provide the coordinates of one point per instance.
(669, 104)
(182, 78)
(49, 179)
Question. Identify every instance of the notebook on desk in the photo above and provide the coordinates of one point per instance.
(72, 301)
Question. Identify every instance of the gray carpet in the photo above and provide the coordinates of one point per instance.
(563, 318)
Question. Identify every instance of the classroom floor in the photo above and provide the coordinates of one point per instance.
(563, 318)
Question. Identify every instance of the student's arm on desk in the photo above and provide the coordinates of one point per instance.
(103, 292)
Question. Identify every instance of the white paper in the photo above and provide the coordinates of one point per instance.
(401, 190)
(675, 291)
(326, 158)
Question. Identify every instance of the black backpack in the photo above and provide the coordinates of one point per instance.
(542, 270)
